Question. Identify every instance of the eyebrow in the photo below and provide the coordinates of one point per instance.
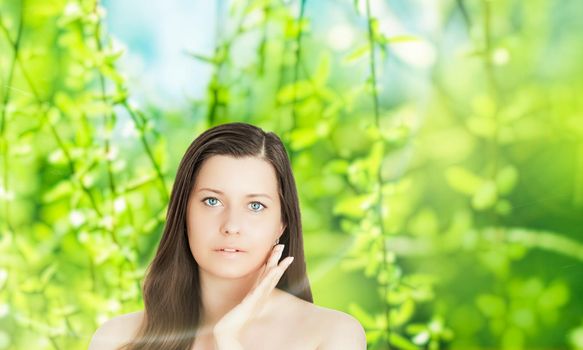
(249, 195)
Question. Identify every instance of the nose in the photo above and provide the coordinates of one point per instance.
(231, 224)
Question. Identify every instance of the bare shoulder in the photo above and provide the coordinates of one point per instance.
(333, 329)
(116, 331)
(342, 330)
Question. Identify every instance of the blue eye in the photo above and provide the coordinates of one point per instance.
(210, 199)
(256, 206)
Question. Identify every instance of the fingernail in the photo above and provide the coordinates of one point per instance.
(291, 260)
(280, 247)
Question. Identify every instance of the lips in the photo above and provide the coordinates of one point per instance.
(230, 250)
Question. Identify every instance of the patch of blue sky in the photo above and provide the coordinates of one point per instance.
(157, 35)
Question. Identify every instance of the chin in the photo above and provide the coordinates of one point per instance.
(225, 268)
(229, 272)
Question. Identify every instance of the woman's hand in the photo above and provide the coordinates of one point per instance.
(228, 329)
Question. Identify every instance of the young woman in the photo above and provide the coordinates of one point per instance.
(218, 280)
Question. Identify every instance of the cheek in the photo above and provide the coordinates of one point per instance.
(263, 232)
(200, 222)
(199, 233)
(196, 244)
(268, 221)
(263, 243)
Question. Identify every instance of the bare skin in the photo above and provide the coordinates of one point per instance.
(289, 324)
(268, 318)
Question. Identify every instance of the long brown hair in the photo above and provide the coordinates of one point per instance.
(171, 290)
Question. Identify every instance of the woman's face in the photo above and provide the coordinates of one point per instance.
(234, 203)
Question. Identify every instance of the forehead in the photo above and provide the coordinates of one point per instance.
(237, 175)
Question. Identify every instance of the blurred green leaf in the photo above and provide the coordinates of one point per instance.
(402, 313)
(295, 91)
(302, 138)
(401, 342)
(354, 206)
(491, 305)
(357, 53)
(506, 179)
(485, 196)
(463, 180)
(362, 316)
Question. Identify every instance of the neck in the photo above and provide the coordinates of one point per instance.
(220, 295)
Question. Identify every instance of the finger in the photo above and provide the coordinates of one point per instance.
(271, 263)
(275, 274)
(275, 255)
(280, 270)
(277, 271)
(266, 285)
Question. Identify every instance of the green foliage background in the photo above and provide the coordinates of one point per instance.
(442, 206)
